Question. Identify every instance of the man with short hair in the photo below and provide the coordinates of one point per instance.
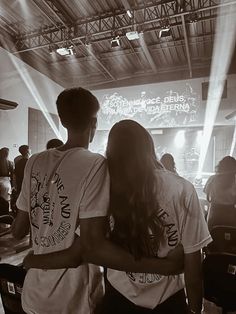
(59, 182)
(20, 164)
(65, 193)
(23, 150)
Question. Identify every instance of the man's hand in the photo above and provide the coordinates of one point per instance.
(68, 258)
(176, 259)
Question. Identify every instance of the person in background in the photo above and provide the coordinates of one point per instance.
(221, 193)
(168, 162)
(64, 201)
(20, 164)
(23, 150)
(4, 205)
(53, 143)
(6, 174)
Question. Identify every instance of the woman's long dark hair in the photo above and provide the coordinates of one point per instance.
(226, 170)
(168, 162)
(133, 206)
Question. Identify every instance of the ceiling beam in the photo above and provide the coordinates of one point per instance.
(138, 50)
(51, 9)
(56, 37)
(12, 30)
(98, 27)
(82, 44)
(60, 11)
(169, 71)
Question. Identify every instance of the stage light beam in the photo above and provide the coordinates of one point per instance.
(224, 44)
(27, 79)
(180, 138)
(233, 140)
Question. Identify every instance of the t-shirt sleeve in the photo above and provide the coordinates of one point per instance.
(195, 234)
(23, 201)
(95, 200)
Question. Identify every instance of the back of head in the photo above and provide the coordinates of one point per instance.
(76, 107)
(24, 150)
(226, 170)
(227, 164)
(132, 162)
(130, 151)
(168, 162)
(53, 143)
(4, 153)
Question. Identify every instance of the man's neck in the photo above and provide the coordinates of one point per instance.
(76, 140)
(70, 144)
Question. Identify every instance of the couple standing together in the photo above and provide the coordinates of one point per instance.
(126, 213)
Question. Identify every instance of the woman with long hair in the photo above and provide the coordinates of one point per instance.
(168, 162)
(152, 212)
(221, 193)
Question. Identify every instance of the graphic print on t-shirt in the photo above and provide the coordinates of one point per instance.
(171, 239)
(42, 210)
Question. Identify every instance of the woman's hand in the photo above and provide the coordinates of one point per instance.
(176, 259)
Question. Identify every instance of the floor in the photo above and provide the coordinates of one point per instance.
(13, 252)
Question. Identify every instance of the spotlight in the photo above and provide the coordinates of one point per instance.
(115, 42)
(132, 35)
(165, 28)
(129, 13)
(65, 51)
(165, 32)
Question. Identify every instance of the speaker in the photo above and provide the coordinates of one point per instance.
(7, 104)
(205, 86)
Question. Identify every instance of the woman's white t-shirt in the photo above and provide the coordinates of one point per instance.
(183, 221)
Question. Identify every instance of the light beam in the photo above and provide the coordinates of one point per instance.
(222, 53)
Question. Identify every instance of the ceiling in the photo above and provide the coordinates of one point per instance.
(31, 29)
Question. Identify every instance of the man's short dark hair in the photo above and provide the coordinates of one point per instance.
(53, 143)
(76, 107)
(23, 149)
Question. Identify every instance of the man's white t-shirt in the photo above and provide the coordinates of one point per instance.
(183, 221)
(59, 188)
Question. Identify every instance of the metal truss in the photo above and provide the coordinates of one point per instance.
(116, 23)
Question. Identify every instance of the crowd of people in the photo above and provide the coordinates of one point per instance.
(12, 174)
(129, 212)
